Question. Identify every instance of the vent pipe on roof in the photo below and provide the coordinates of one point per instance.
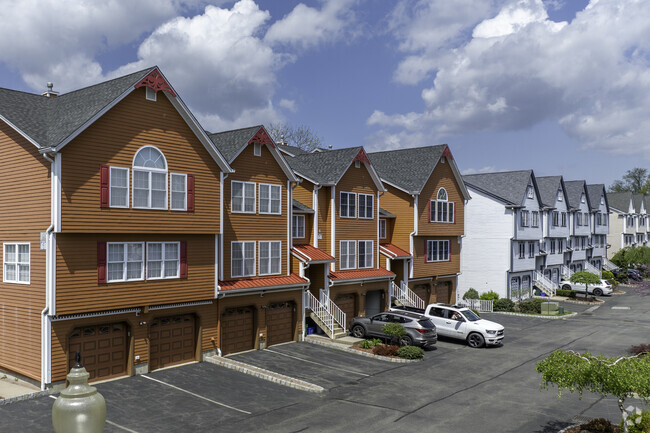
(282, 141)
(50, 93)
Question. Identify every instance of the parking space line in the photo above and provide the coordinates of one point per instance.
(317, 363)
(197, 395)
(110, 422)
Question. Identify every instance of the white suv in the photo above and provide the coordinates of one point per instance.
(462, 323)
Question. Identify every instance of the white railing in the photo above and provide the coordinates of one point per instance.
(591, 268)
(334, 310)
(608, 264)
(547, 286)
(313, 304)
(405, 296)
(480, 305)
(566, 272)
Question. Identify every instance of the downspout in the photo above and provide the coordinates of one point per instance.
(415, 232)
(378, 197)
(304, 266)
(333, 227)
(314, 205)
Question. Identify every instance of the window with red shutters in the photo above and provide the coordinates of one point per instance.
(104, 181)
(190, 192)
(183, 259)
(101, 262)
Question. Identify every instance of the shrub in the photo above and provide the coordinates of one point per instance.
(530, 306)
(606, 275)
(489, 296)
(366, 344)
(641, 348)
(642, 425)
(598, 425)
(568, 293)
(471, 294)
(394, 331)
(385, 350)
(410, 352)
(503, 304)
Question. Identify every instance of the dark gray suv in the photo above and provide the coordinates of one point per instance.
(420, 330)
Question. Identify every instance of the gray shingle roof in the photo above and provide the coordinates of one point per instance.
(408, 169)
(619, 200)
(574, 190)
(325, 168)
(383, 213)
(637, 199)
(291, 150)
(595, 190)
(301, 208)
(509, 186)
(230, 143)
(548, 187)
(49, 121)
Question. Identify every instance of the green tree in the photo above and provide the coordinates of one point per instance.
(586, 278)
(300, 136)
(395, 331)
(636, 180)
(632, 256)
(619, 377)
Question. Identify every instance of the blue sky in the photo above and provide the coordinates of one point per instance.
(559, 86)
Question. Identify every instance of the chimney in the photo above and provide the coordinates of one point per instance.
(50, 93)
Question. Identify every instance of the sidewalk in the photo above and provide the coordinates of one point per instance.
(10, 388)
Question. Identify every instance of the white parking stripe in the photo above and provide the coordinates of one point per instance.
(109, 422)
(197, 395)
(317, 363)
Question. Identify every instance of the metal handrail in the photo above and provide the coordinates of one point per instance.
(320, 311)
(608, 264)
(414, 299)
(333, 309)
(591, 268)
(547, 286)
(566, 271)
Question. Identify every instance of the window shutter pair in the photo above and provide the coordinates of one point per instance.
(101, 261)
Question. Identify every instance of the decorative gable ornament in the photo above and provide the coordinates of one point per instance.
(361, 156)
(156, 81)
(262, 137)
(447, 153)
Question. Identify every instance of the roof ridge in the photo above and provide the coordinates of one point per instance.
(105, 82)
(234, 130)
(529, 170)
(409, 148)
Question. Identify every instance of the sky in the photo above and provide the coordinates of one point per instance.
(559, 86)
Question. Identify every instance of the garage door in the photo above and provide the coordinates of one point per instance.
(237, 331)
(172, 341)
(421, 291)
(443, 292)
(348, 305)
(373, 302)
(103, 349)
(279, 323)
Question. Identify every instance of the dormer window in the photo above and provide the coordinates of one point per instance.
(559, 195)
(602, 200)
(529, 192)
(357, 164)
(582, 198)
(149, 179)
(257, 149)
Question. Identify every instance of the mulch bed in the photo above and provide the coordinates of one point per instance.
(370, 351)
(578, 429)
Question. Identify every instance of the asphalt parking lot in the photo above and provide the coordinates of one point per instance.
(454, 389)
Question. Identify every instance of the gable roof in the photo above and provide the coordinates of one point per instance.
(637, 201)
(574, 190)
(619, 201)
(328, 167)
(232, 143)
(548, 188)
(508, 186)
(410, 169)
(51, 123)
(595, 191)
(291, 150)
(300, 208)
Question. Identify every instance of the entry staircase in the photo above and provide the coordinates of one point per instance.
(591, 268)
(607, 264)
(327, 315)
(405, 296)
(544, 284)
(566, 272)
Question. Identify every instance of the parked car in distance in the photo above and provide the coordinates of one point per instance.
(420, 330)
(461, 323)
(632, 274)
(604, 288)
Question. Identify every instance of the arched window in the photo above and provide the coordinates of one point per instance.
(441, 210)
(149, 179)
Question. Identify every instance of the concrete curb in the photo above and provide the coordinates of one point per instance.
(348, 349)
(261, 373)
(539, 316)
(598, 302)
(29, 396)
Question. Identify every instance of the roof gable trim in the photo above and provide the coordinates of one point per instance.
(362, 157)
(262, 137)
(155, 81)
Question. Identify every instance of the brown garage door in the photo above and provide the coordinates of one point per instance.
(279, 323)
(237, 331)
(348, 305)
(421, 291)
(443, 292)
(103, 349)
(172, 341)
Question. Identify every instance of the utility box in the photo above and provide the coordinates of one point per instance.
(550, 308)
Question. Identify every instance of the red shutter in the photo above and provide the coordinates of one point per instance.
(104, 179)
(190, 192)
(426, 251)
(101, 262)
(183, 259)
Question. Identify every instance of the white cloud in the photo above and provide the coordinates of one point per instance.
(486, 169)
(288, 104)
(518, 68)
(306, 27)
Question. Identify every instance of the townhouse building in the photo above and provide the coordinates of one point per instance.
(422, 222)
(580, 247)
(259, 298)
(110, 223)
(503, 248)
(599, 226)
(622, 228)
(641, 220)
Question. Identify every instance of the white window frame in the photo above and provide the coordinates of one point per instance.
(243, 258)
(560, 195)
(522, 250)
(529, 192)
(125, 262)
(429, 258)
(270, 258)
(150, 171)
(350, 259)
(448, 210)
(534, 221)
(17, 263)
(150, 94)
(368, 254)
(298, 227)
(366, 197)
(110, 186)
(257, 149)
(163, 260)
(348, 195)
(269, 208)
(243, 198)
(382, 229)
(171, 191)
(524, 218)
